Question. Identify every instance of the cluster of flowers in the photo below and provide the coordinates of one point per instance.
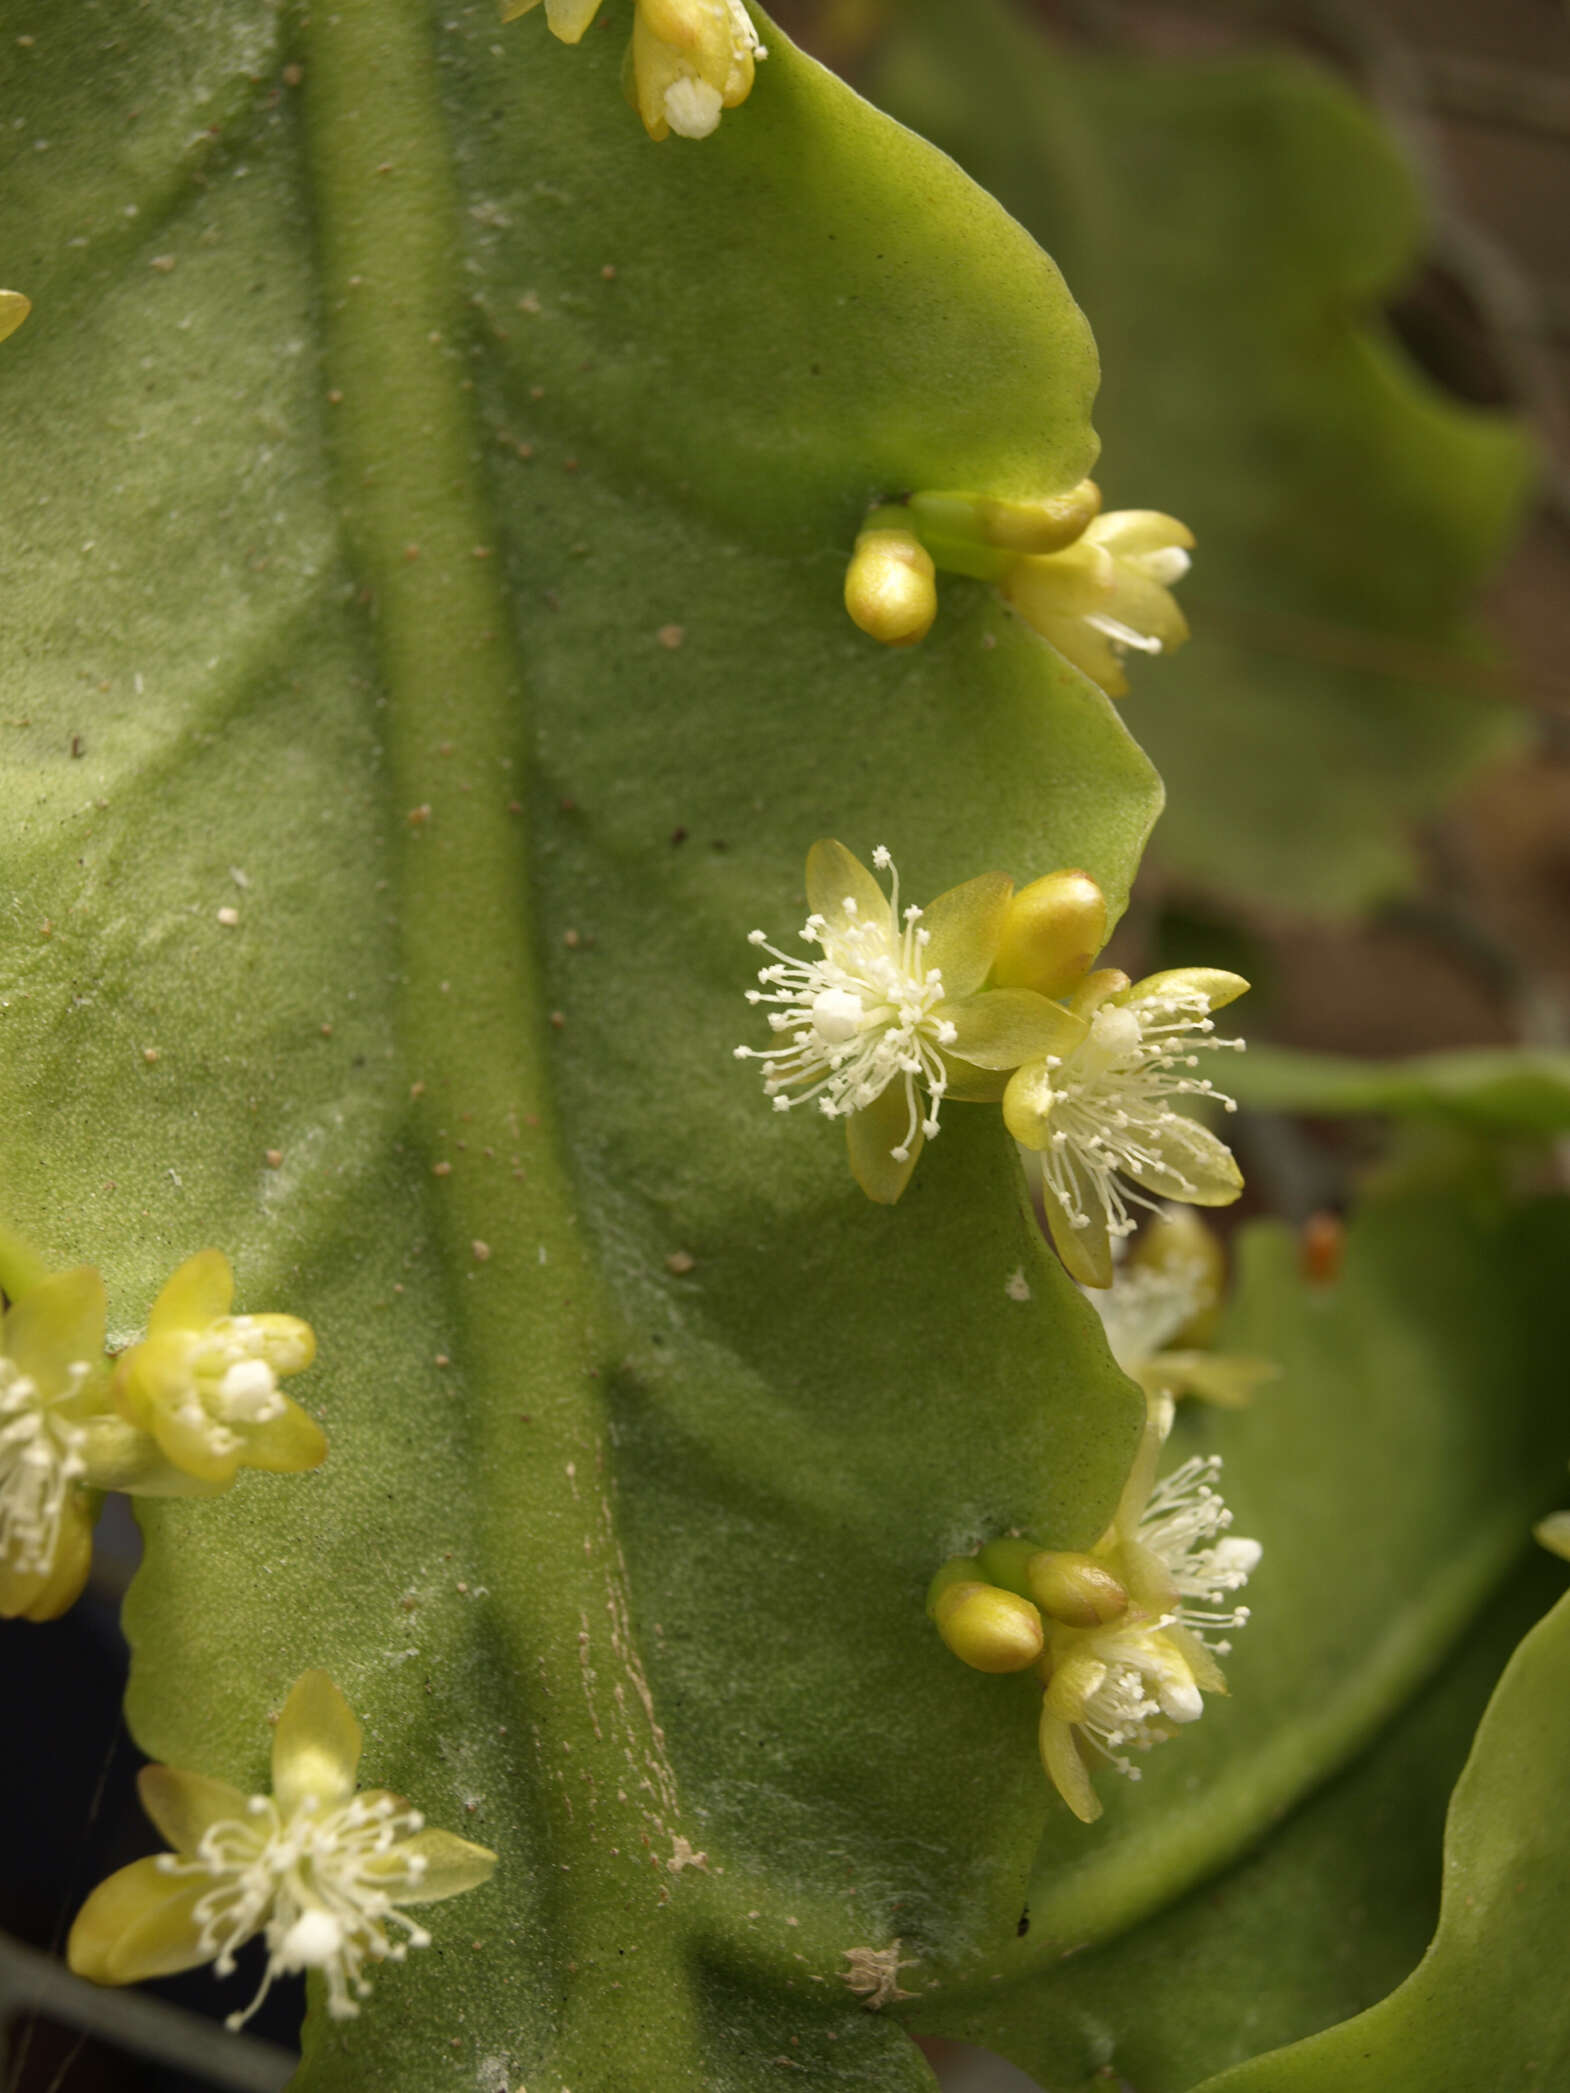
(317, 1869)
(1124, 1638)
(1093, 585)
(689, 60)
(989, 995)
(177, 1415)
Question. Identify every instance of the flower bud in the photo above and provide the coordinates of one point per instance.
(989, 1629)
(1052, 932)
(1006, 1562)
(1045, 525)
(890, 590)
(1076, 1589)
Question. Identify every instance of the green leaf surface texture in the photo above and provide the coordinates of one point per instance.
(1487, 2006)
(1392, 1473)
(1491, 1090)
(430, 502)
(1234, 227)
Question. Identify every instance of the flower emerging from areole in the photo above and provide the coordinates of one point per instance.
(319, 1871)
(1128, 1682)
(689, 61)
(204, 1382)
(51, 1350)
(890, 1017)
(1161, 1310)
(1098, 1108)
(1108, 592)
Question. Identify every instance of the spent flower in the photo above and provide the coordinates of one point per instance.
(890, 1015)
(321, 1872)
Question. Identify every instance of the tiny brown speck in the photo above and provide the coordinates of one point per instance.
(557, 1020)
(536, 392)
(482, 1251)
(416, 1090)
(680, 1262)
(442, 1359)
(229, 917)
(525, 450)
(462, 1586)
(609, 272)
(515, 806)
(335, 397)
(671, 636)
(150, 1055)
(441, 1170)
(411, 552)
(482, 552)
(571, 940)
(569, 465)
(163, 263)
(418, 816)
(274, 1158)
(327, 1031)
(293, 75)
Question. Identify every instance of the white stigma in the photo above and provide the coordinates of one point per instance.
(692, 108)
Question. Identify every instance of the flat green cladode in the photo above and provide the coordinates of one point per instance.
(413, 485)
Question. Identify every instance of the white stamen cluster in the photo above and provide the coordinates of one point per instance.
(857, 1019)
(40, 1463)
(1185, 1524)
(231, 1384)
(1109, 1109)
(321, 1886)
(1141, 1684)
(693, 106)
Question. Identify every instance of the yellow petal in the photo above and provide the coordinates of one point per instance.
(57, 1324)
(1226, 1379)
(835, 877)
(285, 1445)
(316, 1746)
(184, 1434)
(1214, 985)
(1130, 533)
(871, 1135)
(184, 1805)
(136, 1925)
(1070, 584)
(969, 1085)
(287, 1344)
(1086, 1252)
(1004, 1027)
(452, 1865)
(196, 1295)
(1066, 1769)
(963, 927)
(1189, 1163)
(14, 309)
(569, 18)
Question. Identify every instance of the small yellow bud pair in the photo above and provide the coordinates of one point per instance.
(1092, 585)
(988, 1608)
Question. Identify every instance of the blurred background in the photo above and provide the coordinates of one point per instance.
(1342, 360)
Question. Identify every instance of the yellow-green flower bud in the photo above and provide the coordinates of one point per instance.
(1006, 1562)
(1076, 1589)
(890, 589)
(14, 309)
(1052, 932)
(1040, 526)
(987, 1628)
